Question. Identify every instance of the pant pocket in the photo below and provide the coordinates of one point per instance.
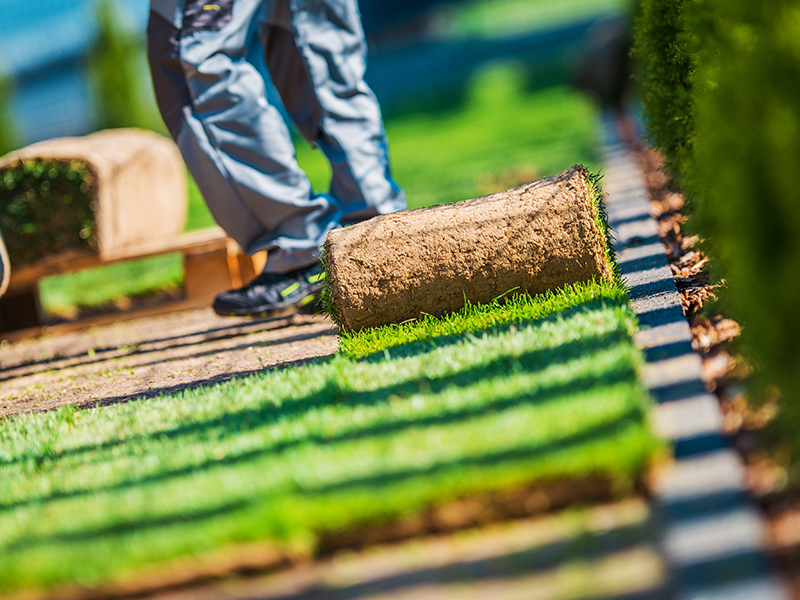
(207, 15)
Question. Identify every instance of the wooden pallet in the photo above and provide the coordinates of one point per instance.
(212, 263)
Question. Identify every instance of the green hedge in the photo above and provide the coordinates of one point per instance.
(46, 207)
(722, 96)
(665, 48)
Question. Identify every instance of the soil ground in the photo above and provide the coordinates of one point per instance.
(151, 356)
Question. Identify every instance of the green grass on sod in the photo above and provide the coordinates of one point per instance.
(285, 455)
(513, 309)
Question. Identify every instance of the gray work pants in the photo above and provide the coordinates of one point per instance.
(216, 67)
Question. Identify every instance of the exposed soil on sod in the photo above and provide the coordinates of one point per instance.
(602, 551)
(147, 357)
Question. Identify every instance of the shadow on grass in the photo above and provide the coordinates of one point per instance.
(245, 421)
(333, 392)
(409, 79)
(399, 477)
(442, 341)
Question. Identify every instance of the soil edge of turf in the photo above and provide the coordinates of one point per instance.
(260, 558)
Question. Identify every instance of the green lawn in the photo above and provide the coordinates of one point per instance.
(64, 295)
(500, 18)
(287, 455)
(499, 136)
(504, 133)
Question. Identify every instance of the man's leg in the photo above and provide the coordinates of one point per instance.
(316, 55)
(235, 143)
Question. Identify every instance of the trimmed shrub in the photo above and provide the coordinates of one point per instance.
(664, 46)
(46, 207)
(721, 90)
(113, 72)
(748, 157)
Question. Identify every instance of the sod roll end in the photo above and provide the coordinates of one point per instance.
(109, 192)
(533, 238)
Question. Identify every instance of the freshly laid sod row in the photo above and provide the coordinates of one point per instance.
(288, 455)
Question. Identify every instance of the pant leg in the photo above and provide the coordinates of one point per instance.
(214, 101)
(317, 61)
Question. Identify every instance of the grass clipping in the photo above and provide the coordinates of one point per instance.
(435, 261)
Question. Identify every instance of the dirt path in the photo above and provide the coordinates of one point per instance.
(151, 356)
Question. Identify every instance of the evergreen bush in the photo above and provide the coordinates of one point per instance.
(665, 47)
(113, 68)
(748, 157)
(8, 133)
(721, 84)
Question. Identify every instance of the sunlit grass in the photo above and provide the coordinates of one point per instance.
(514, 308)
(63, 295)
(288, 455)
(502, 131)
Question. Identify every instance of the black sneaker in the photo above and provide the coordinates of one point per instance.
(268, 294)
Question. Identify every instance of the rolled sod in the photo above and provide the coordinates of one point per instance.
(533, 238)
(108, 193)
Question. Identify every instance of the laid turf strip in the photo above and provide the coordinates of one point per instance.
(509, 308)
(288, 455)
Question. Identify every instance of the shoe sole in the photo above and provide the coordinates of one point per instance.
(271, 310)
